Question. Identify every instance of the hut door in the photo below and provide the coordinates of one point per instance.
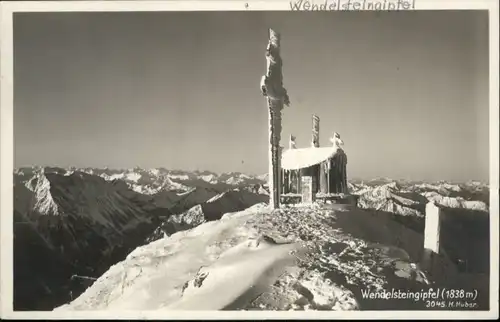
(307, 189)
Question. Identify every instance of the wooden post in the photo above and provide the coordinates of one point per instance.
(342, 170)
(299, 181)
(277, 97)
(283, 181)
(346, 189)
(333, 178)
(328, 169)
(281, 172)
(289, 180)
(289, 173)
(323, 177)
(314, 185)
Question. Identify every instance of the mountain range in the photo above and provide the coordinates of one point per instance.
(72, 224)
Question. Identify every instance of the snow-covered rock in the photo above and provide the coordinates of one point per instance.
(411, 199)
(390, 198)
(457, 202)
(209, 210)
(210, 178)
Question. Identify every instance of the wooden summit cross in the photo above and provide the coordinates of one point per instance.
(271, 86)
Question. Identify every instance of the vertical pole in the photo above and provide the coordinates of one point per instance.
(288, 183)
(280, 171)
(315, 131)
(341, 168)
(299, 182)
(283, 181)
(328, 175)
(323, 177)
(345, 174)
(277, 98)
(287, 174)
(273, 191)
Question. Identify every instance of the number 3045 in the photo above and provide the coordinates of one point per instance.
(432, 304)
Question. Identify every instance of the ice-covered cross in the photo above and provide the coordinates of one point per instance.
(336, 140)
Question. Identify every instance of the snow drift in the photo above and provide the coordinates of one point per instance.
(297, 258)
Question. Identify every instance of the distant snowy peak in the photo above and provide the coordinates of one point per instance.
(85, 197)
(129, 176)
(385, 190)
(44, 203)
(476, 186)
(389, 197)
(155, 180)
(263, 177)
(234, 181)
(166, 186)
(241, 179)
(411, 199)
(456, 203)
(379, 181)
(444, 187)
(179, 177)
(210, 178)
(149, 182)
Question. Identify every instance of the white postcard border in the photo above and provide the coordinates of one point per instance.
(7, 164)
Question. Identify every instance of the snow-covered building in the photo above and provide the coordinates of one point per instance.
(308, 173)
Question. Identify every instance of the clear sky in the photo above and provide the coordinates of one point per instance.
(407, 91)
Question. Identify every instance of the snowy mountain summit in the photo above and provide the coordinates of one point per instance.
(174, 240)
(301, 257)
(254, 259)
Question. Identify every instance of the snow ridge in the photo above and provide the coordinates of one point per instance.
(409, 200)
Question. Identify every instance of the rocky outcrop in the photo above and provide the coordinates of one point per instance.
(210, 210)
(410, 200)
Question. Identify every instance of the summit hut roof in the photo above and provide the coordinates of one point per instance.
(293, 159)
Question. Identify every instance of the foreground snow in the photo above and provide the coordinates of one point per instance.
(297, 258)
(223, 258)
